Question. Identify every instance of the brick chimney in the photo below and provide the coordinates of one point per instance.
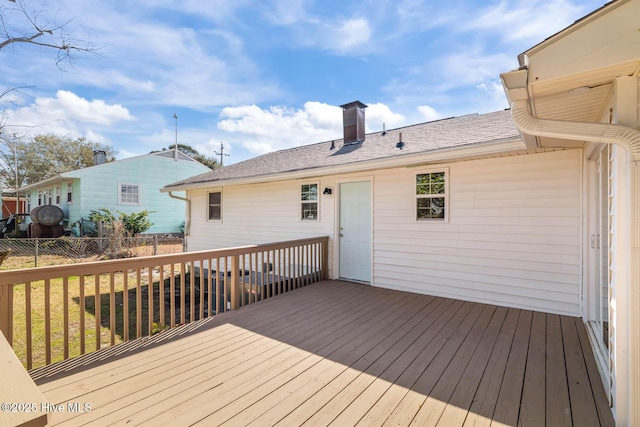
(353, 122)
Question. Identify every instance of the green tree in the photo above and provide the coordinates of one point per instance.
(210, 162)
(45, 156)
(133, 223)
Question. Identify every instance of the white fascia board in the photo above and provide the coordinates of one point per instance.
(443, 155)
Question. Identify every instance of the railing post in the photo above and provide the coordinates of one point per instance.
(325, 258)
(35, 263)
(234, 283)
(6, 312)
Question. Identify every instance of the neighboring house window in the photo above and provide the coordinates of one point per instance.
(39, 198)
(49, 196)
(309, 202)
(129, 194)
(69, 192)
(58, 195)
(431, 193)
(29, 203)
(215, 205)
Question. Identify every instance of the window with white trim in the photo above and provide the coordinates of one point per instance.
(215, 205)
(309, 202)
(58, 195)
(129, 194)
(431, 196)
(39, 197)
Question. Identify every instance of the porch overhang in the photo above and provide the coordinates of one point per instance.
(581, 88)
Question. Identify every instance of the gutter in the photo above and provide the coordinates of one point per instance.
(187, 221)
(439, 155)
(515, 85)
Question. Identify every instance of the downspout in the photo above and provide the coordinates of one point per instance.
(187, 221)
(515, 84)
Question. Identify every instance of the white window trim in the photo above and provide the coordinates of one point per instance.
(120, 202)
(58, 195)
(300, 202)
(206, 213)
(447, 184)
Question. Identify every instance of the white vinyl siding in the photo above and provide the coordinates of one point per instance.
(512, 236)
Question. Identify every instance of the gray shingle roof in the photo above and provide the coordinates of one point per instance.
(420, 138)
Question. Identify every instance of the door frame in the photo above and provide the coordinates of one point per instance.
(336, 251)
(594, 266)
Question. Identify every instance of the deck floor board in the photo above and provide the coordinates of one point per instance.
(343, 354)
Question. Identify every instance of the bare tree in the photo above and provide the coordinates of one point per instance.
(30, 22)
(23, 21)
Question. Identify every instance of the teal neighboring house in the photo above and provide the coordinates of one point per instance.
(128, 185)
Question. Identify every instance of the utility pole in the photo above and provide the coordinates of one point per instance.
(175, 149)
(221, 153)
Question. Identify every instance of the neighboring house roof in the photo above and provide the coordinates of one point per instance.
(65, 176)
(447, 134)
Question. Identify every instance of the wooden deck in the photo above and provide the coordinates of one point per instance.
(342, 354)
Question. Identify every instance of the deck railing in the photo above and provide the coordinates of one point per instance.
(50, 314)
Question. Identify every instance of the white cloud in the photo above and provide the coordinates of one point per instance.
(67, 114)
(347, 36)
(527, 21)
(429, 113)
(263, 130)
(377, 114)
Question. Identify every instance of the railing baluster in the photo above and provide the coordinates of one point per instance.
(182, 288)
(83, 347)
(29, 337)
(201, 289)
(210, 288)
(234, 282)
(47, 320)
(112, 307)
(138, 303)
(150, 299)
(65, 315)
(161, 293)
(192, 293)
(125, 304)
(172, 295)
(98, 309)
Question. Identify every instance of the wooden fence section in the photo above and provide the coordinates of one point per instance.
(50, 314)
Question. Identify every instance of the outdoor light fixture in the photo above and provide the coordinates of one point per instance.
(327, 190)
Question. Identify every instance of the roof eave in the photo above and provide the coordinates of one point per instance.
(447, 154)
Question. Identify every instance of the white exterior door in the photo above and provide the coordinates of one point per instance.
(355, 231)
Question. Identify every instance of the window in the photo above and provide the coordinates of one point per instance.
(39, 198)
(309, 202)
(129, 194)
(69, 192)
(49, 196)
(431, 196)
(58, 195)
(215, 205)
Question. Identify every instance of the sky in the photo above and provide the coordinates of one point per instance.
(264, 76)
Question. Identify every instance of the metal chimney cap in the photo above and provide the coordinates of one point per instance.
(354, 103)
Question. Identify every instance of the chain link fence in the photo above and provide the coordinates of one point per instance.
(26, 253)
